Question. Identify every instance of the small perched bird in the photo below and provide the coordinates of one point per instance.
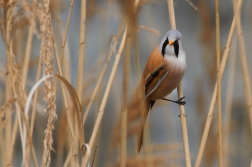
(163, 72)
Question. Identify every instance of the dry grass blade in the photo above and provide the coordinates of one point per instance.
(78, 109)
(80, 65)
(68, 117)
(192, 5)
(34, 105)
(62, 52)
(81, 49)
(126, 61)
(27, 56)
(180, 94)
(94, 156)
(228, 103)
(8, 90)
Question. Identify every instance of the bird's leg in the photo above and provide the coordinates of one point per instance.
(179, 101)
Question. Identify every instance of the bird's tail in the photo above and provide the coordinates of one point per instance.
(144, 117)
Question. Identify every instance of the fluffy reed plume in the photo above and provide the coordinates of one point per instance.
(50, 89)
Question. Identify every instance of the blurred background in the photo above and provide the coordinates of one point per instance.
(195, 19)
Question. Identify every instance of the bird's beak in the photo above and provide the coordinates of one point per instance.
(171, 42)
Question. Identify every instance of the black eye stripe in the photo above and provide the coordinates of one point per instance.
(176, 47)
(164, 46)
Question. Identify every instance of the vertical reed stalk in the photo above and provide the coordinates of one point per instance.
(27, 56)
(66, 105)
(9, 85)
(25, 73)
(213, 101)
(34, 105)
(124, 98)
(243, 59)
(220, 149)
(81, 49)
(126, 65)
(228, 103)
(62, 52)
(180, 94)
(81, 62)
(124, 139)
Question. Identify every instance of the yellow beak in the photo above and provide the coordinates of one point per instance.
(171, 42)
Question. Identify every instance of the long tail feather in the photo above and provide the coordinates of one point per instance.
(144, 118)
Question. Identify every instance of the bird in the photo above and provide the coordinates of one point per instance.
(163, 72)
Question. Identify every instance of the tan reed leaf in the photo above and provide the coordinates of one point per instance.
(228, 103)
(77, 108)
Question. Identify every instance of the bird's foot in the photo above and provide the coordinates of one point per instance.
(179, 101)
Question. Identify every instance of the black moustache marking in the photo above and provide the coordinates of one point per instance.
(164, 46)
(176, 47)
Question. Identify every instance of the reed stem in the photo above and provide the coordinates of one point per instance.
(180, 94)
(220, 149)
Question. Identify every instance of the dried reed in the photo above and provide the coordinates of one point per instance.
(80, 75)
(218, 84)
(243, 59)
(228, 103)
(180, 94)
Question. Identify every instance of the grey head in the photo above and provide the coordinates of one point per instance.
(171, 44)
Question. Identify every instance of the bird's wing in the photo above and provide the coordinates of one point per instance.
(154, 80)
(154, 72)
